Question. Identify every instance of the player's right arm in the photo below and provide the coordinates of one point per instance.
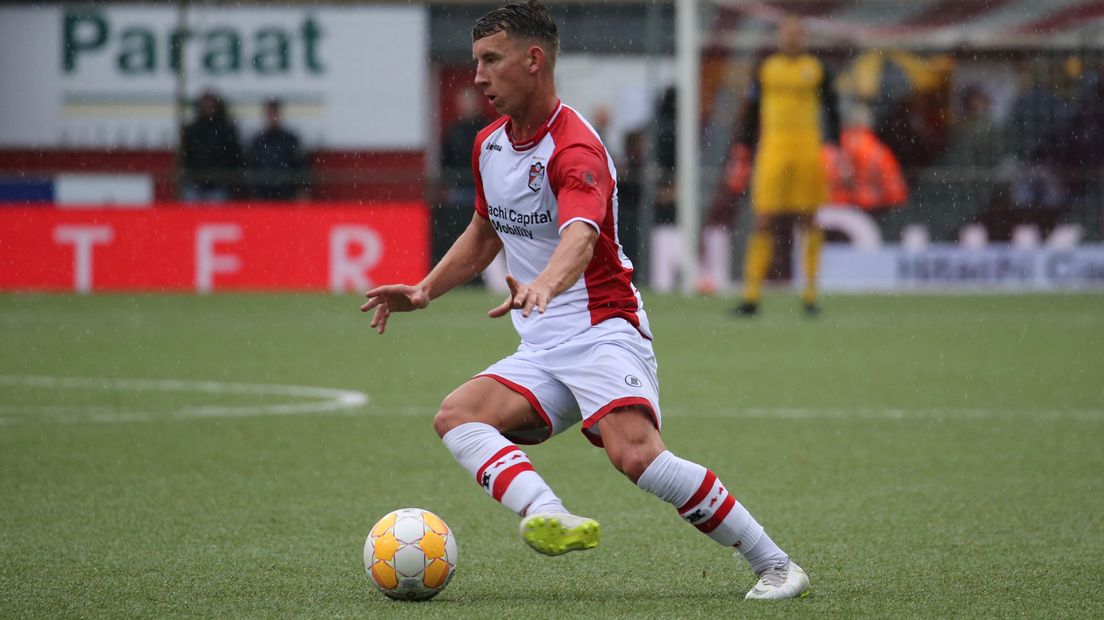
(468, 257)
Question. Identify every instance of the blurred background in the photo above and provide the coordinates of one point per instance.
(309, 146)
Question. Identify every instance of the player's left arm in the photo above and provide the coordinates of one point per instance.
(833, 126)
(583, 186)
(568, 262)
(830, 102)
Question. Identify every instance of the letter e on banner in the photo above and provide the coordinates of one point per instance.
(83, 238)
(349, 268)
(207, 263)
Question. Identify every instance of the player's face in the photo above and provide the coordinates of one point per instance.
(503, 71)
(791, 36)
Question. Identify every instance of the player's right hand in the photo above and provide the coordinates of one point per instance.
(524, 297)
(393, 298)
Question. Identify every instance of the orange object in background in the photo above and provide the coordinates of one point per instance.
(873, 181)
(738, 169)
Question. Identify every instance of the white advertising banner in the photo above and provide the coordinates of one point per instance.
(949, 267)
(95, 76)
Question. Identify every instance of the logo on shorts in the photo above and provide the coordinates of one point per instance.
(536, 176)
(633, 381)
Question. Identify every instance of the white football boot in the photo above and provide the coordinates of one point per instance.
(558, 533)
(783, 581)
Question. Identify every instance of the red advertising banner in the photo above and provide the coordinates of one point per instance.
(332, 247)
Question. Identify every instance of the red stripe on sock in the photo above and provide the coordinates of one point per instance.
(505, 477)
(501, 453)
(700, 494)
(719, 516)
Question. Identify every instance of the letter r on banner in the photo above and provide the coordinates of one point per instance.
(207, 263)
(83, 238)
(348, 271)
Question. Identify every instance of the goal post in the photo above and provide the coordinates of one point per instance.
(687, 175)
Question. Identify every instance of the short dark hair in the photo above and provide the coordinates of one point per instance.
(524, 20)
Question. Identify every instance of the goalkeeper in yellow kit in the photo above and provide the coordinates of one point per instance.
(783, 125)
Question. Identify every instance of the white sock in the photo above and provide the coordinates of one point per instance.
(704, 502)
(501, 468)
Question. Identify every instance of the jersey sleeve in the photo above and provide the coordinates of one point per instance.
(581, 180)
(480, 197)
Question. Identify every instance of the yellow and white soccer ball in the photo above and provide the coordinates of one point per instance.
(410, 554)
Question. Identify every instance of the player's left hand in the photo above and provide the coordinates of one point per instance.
(524, 297)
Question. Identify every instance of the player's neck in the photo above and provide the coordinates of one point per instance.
(528, 122)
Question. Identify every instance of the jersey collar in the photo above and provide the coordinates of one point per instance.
(542, 131)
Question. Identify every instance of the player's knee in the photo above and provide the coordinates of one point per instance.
(632, 461)
(451, 414)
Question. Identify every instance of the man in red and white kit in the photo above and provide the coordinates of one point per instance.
(546, 192)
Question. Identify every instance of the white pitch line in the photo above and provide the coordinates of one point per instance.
(330, 400)
(891, 414)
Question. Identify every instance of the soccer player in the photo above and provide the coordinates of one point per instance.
(546, 191)
(791, 88)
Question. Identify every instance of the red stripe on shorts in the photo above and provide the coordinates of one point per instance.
(699, 495)
(505, 477)
(532, 403)
(501, 453)
(719, 516)
(628, 401)
(527, 394)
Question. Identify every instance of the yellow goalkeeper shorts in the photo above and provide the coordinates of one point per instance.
(788, 178)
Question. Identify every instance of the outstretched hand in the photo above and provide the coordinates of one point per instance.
(393, 298)
(524, 297)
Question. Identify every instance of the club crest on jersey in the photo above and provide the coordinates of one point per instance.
(536, 176)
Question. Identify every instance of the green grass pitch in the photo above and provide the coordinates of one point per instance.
(928, 456)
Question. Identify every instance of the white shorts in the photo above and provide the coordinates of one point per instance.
(610, 365)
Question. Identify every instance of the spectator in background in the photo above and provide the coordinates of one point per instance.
(975, 151)
(630, 193)
(1082, 150)
(211, 157)
(665, 242)
(868, 175)
(915, 126)
(1038, 135)
(277, 165)
(453, 210)
(1037, 115)
(665, 124)
(976, 140)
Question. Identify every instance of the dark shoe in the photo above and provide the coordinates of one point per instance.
(746, 309)
(811, 309)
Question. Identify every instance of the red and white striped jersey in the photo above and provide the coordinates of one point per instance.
(530, 192)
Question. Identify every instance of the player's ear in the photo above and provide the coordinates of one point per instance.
(537, 59)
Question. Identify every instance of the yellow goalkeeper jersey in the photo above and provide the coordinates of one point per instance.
(791, 98)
